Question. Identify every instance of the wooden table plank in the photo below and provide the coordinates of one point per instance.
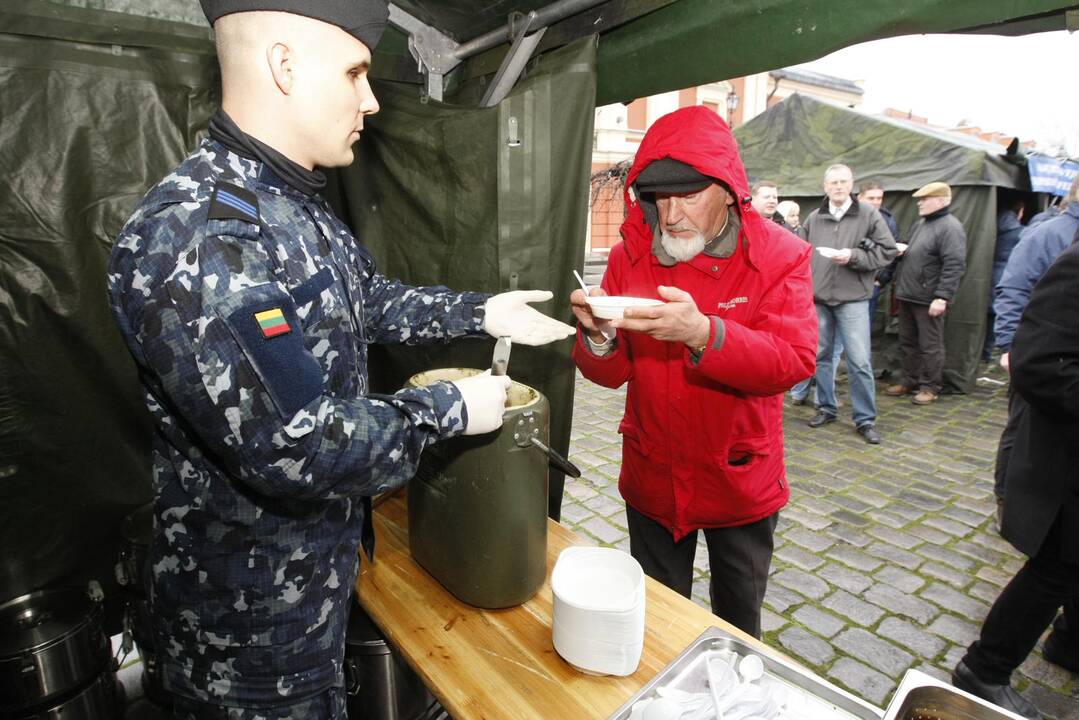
(491, 664)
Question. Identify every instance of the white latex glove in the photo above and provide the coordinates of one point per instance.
(509, 314)
(485, 401)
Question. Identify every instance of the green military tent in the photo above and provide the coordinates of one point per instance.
(794, 142)
(482, 190)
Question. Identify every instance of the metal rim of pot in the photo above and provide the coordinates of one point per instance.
(51, 642)
(101, 698)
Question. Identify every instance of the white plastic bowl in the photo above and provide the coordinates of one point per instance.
(598, 618)
(613, 307)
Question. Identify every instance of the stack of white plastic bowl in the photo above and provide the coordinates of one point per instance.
(598, 624)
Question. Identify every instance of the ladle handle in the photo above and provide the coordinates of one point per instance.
(557, 461)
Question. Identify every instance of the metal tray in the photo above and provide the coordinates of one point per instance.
(923, 697)
(688, 672)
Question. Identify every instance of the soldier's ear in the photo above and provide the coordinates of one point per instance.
(280, 59)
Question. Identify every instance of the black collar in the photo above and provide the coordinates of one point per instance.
(826, 207)
(225, 131)
(937, 214)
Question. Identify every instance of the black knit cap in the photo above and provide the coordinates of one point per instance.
(668, 175)
(362, 19)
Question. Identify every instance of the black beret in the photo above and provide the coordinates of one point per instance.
(668, 175)
(362, 19)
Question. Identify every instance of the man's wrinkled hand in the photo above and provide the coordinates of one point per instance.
(842, 257)
(937, 307)
(677, 320)
(509, 314)
(596, 328)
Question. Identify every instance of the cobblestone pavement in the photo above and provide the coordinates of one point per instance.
(886, 557)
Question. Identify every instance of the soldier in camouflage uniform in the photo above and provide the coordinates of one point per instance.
(248, 307)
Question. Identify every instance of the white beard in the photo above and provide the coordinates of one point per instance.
(682, 249)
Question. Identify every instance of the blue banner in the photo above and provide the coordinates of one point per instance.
(1051, 176)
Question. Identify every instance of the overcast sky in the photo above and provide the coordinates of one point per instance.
(1025, 86)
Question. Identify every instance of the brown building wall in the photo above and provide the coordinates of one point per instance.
(739, 86)
(637, 114)
(607, 213)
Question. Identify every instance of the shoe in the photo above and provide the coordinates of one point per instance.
(924, 397)
(898, 390)
(1054, 653)
(1003, 695)
(799, 401)
(869, 434)
(821, 418)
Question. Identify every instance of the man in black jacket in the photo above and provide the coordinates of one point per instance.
(1041, 507)
(926, 281)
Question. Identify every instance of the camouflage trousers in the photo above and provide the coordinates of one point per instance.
(329, 705)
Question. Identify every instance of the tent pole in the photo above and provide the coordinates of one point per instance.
(514, 62)
(545, 17)
(437, 54)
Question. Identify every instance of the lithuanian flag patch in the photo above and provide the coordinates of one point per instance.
(272, 322)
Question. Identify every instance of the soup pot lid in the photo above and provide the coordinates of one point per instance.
(31, 622)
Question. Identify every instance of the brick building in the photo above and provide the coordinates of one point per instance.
(619, 128)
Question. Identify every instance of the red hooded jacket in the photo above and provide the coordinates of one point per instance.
(684, 420)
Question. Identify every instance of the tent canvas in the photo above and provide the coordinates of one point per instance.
(795, 141)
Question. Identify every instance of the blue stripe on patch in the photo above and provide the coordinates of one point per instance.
(233, 201)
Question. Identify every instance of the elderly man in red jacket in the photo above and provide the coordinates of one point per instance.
(707, 368)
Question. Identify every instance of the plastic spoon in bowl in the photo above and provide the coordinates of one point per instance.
(581, 282)
(607, 332)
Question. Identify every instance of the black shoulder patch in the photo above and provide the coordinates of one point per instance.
(233, 202)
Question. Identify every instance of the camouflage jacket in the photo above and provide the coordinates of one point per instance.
(248, 308)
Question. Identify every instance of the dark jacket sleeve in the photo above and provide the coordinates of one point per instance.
(882, 250)
(885, 276)
(953, 261)
(1025, 267)
(1045, 351)
(893, 226)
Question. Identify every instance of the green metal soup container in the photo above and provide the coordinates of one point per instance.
(477, 507)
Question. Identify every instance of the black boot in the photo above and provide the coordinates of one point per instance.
(1003, 695)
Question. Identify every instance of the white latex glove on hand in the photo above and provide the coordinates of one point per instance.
(485, 401)
(509, 314)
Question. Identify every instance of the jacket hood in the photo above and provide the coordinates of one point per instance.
(699, 137)
(1008, 220)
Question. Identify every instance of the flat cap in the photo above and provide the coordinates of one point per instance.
(668, 175)
(362, 19)
(933, 189)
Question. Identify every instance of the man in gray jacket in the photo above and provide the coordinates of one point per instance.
(926, 282)
(852, 242)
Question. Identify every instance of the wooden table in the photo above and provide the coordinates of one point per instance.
(501, 663)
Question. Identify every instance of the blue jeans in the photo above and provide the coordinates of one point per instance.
(849, 323)
(801, 390)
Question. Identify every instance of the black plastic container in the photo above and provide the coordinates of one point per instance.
(381, 686)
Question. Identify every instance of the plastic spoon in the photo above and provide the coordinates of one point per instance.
(607, 332)
(581, 282)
